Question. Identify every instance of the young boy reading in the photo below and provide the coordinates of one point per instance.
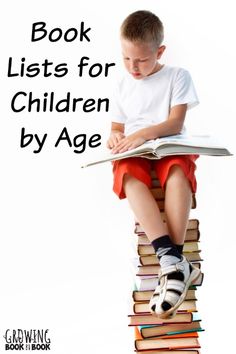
(151, 101)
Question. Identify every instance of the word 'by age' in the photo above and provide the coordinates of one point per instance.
(79, 142)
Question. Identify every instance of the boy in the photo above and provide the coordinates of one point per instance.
(151, 101)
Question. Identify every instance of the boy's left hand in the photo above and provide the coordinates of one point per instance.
(129, 142)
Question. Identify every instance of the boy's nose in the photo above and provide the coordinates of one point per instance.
(134, 66)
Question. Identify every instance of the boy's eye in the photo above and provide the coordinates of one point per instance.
(138, 60)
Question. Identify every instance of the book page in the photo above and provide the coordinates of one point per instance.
(190, 140)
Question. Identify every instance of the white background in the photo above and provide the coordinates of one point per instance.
(64, 256)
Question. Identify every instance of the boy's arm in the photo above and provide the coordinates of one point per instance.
(173, 125)
(117, 133)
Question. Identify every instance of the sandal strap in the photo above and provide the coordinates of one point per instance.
(178, 267)
(175, 284)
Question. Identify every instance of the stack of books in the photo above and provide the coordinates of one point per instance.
(177, 335)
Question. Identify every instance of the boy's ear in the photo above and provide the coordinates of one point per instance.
(160, 51)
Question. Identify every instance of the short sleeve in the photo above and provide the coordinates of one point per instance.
(183, 91)
(117, 114)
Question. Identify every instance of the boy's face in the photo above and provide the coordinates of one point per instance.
(140, 59)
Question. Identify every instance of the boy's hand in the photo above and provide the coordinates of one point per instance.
(130, 142)
(114, 139)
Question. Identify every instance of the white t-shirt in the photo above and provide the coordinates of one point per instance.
(141, 103)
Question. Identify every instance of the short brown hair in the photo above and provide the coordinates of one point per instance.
(143, 26)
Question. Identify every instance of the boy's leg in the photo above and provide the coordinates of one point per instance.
(132, 180)
(178, 201)
(175, 279)
(147, 212)
(145, 207)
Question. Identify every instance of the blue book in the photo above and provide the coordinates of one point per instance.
(148, 331)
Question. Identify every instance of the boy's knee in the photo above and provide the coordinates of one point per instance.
(129, 179)
(128, 182)
(176, 175)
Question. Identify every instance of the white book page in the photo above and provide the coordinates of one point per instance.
(191, 140)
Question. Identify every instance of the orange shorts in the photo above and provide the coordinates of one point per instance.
(140, 168)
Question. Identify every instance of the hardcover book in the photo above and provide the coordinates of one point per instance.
(171, 145)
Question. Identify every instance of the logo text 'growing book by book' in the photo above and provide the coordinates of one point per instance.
(22, 339)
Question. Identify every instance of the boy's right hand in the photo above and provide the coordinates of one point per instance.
(114, 139)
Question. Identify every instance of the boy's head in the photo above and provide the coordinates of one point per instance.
(141, 36)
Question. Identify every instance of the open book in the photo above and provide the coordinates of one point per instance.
(171, 145)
